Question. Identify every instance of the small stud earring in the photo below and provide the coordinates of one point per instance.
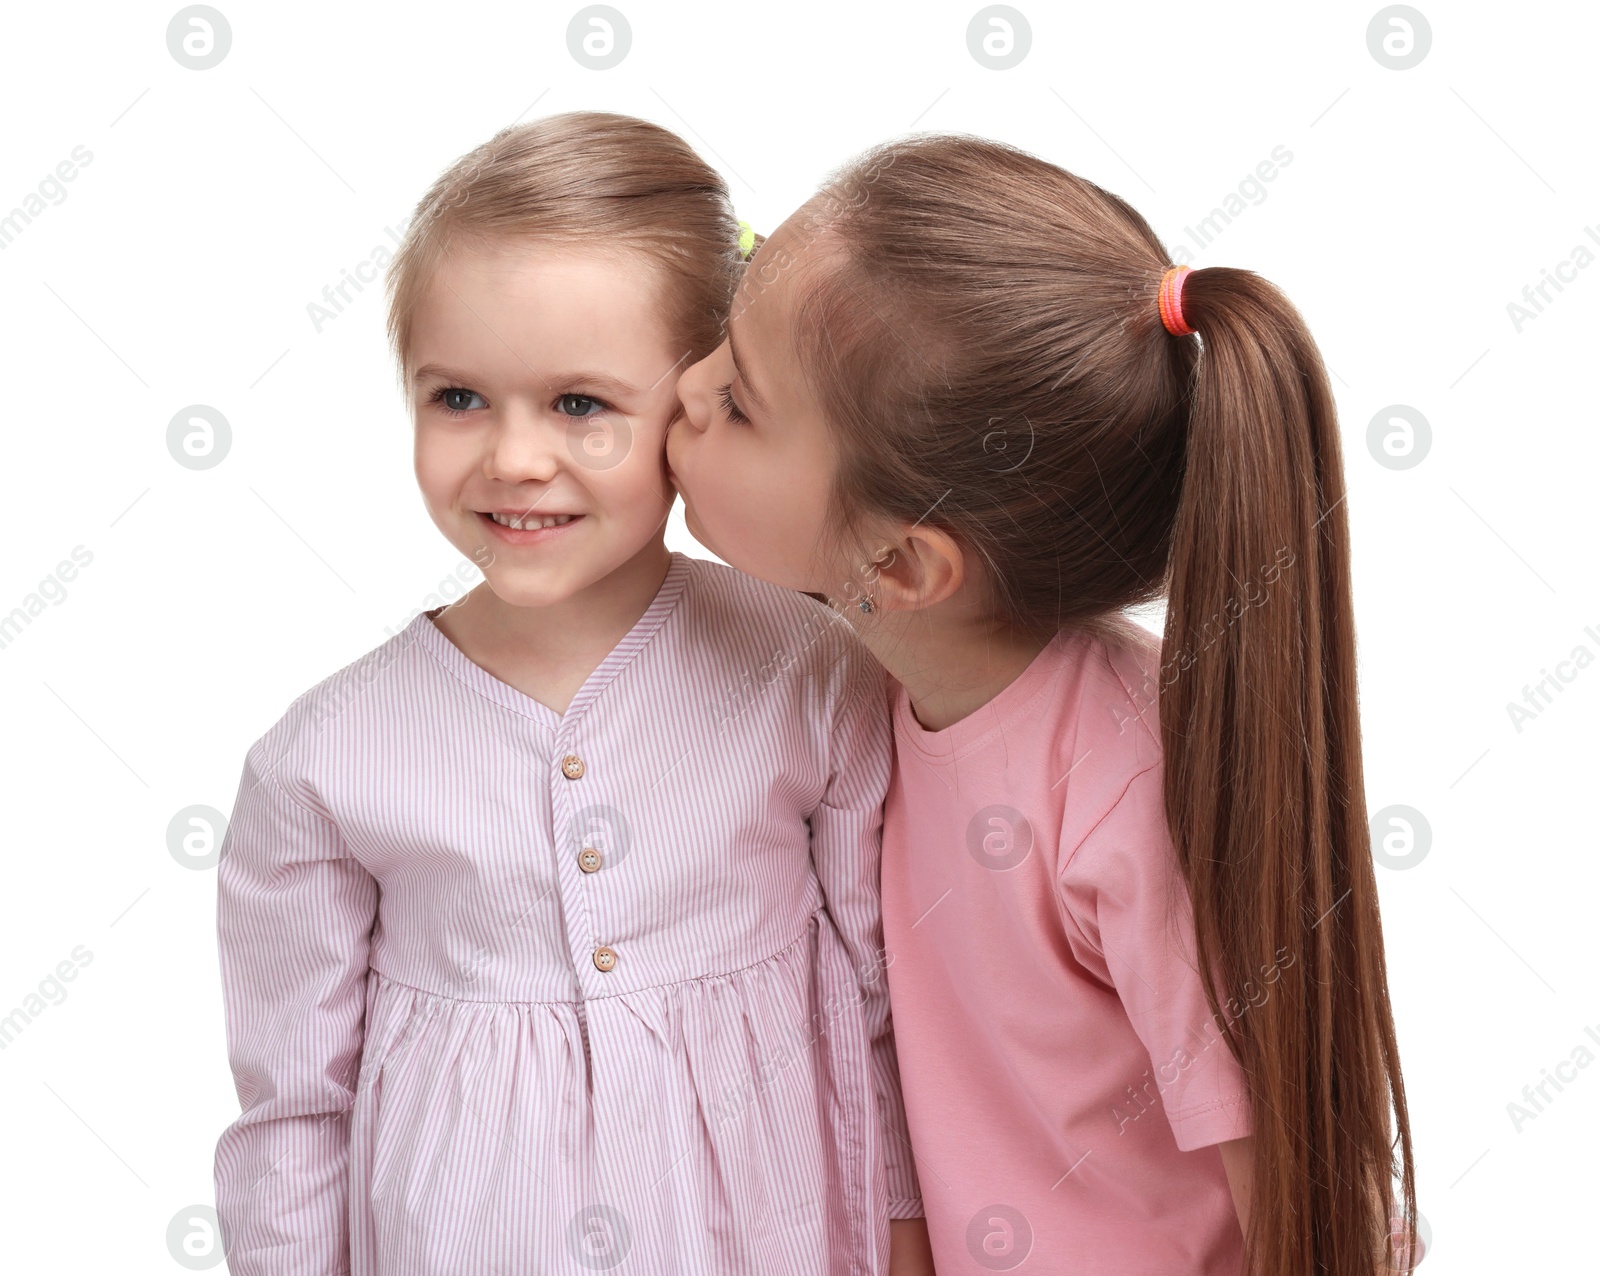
(866, 603)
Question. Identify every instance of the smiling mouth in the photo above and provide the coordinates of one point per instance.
(522, 528)
(527, 521)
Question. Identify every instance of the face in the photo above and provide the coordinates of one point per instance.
(752, 453)
(542, 386)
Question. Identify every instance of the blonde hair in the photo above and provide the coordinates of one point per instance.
(581, 177)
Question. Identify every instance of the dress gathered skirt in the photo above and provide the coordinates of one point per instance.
(617, 1127)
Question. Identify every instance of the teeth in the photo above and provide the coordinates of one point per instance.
(528, 522)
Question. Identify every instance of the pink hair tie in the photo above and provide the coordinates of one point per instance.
(1170, 301)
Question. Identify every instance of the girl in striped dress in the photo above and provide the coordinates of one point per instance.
(549, 928)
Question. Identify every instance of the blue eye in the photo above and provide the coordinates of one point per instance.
(578, 405)
(455, 400)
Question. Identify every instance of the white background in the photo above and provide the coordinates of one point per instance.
(218, 204)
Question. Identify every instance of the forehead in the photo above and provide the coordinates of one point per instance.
(513, 304)
(787, 266)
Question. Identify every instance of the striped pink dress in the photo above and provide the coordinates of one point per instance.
(512, 991)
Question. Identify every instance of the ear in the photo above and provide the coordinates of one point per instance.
(920, 568)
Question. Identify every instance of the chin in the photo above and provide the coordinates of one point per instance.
(533, 589)
(693, 524)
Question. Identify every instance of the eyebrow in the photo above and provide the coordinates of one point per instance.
(601, 381)
(749, 386)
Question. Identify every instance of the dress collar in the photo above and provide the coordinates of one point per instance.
(455, 661)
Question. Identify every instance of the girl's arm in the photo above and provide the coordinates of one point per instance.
(294, 918)
(1236, 1162)
(910, 1254)
(846, 829)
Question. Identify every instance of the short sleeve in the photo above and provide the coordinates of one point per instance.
(295, 913)
(846, 842)
(1129, 922)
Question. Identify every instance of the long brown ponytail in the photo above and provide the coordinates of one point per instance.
(1263, 779)
(985, 341)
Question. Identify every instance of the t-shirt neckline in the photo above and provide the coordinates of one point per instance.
(977, 727)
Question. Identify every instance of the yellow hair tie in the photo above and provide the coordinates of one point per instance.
(747, 239)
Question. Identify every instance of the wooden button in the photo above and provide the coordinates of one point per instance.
(604, 958)
(572, 766)
(589, 859)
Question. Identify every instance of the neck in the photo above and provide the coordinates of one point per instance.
(951, 664)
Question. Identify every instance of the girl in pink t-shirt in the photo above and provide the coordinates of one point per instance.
(1134, 951)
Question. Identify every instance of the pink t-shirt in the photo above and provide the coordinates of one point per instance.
(1064, 1080)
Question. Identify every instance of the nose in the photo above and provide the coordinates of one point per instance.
(694, 389)
(521, 447)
